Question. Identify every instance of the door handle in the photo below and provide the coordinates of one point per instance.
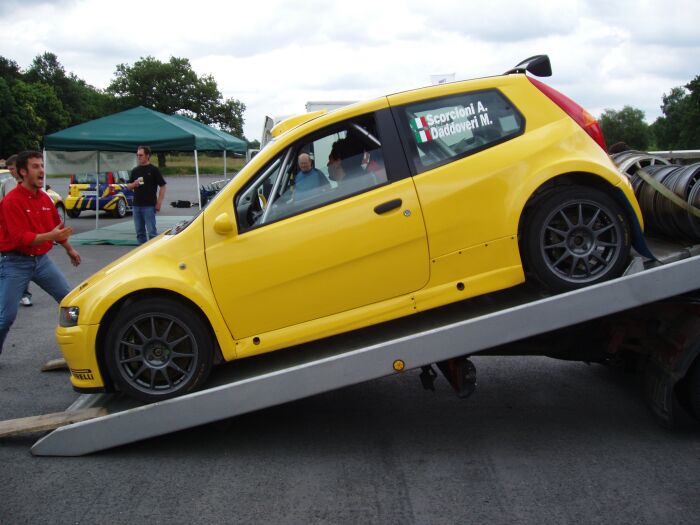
(387, 206)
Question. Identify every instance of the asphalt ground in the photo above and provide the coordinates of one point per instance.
(540, 441)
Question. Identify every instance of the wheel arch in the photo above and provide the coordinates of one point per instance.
(124, 302)
(592, 181)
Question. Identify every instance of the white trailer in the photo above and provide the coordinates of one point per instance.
(498, 323)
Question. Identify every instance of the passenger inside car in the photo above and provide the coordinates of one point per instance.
(345, 159)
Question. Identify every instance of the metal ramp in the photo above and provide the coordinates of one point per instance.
(452, 331)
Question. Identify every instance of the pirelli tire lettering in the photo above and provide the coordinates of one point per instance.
(83, 374)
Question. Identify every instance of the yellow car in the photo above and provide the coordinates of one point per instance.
(350, 218)
(114, 197)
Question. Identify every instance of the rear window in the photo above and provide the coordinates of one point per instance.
(444, 129)
(89, 178)
(121, 177)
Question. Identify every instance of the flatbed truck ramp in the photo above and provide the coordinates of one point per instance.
(413, 342)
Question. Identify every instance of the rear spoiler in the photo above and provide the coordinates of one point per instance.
(537, 65)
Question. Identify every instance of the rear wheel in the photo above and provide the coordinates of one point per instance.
(120, 209)
(576, 236)
(158, 349)
(73, 214)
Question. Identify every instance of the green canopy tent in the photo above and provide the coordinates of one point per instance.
(100, 144)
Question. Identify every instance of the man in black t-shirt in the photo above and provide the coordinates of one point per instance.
(145, 180)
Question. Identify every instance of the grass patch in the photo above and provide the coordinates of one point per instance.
(184, 165)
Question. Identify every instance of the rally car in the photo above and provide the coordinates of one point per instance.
(114, 196)
(419, 199)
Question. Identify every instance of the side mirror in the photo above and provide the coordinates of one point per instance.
(223, 224)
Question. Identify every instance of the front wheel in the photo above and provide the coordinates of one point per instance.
(158, 349)
(694, 387)
(575, 237)
(73, 214)
(61, 212)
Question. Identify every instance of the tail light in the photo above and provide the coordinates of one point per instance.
(582, 117)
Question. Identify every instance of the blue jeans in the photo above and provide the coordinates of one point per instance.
(145, 221)
(15, 273)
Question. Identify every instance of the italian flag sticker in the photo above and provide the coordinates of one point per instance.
(421, 130)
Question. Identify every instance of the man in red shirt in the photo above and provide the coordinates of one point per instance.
(29, 225)
(7, 186)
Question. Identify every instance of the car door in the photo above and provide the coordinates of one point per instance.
(297, 256)
(464, 141)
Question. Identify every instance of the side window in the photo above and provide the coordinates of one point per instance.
(327, 166)
(445, 129)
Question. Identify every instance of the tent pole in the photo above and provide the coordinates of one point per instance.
(44, 153)
(196, 172)
(225, 176)
(97, 192)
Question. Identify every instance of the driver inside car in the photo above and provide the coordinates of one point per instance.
(308, 178)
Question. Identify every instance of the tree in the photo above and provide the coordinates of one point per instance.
(691, 129)
(81, 101)
(29, 112)
(47, 106)
(173, 87)
(8, 133)
(626, 125)
(679, 127)
(9, 70)
(667, 128)
(229, 117)
(43, 100)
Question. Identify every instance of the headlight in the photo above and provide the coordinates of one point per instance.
(68, 316)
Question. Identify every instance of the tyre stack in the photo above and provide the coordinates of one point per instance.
(661, 215)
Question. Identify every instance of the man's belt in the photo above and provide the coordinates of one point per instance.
(15, 252)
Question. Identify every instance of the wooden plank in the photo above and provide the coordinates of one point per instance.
(55, 364)
(44, 422)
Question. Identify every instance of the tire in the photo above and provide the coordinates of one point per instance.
(61, 212)
(120, 209)
(157, 349)
(73, 214)
(694, 387)
(576, 236)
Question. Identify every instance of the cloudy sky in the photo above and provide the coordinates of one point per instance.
(276, 55)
